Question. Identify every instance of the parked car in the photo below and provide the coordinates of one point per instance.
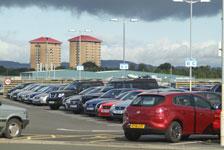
(1, 89)
(117, 110)
(54, 100)
(214, 98)
(217, 88)
(176, 115)
(140, 83)
(18, 93)
(17, 88)
(74, 103)
(41, 98)
(104, 109)
(13, 120)
(90, 106)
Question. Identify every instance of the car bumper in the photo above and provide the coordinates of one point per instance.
(55, 101)
(143, 131)
(25, 123)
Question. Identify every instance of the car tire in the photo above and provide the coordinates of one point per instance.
(174, 132)
(13, 128)
(131, 136)
(53, 107)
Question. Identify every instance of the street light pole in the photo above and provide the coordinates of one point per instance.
(80, 49)
(124, 21)
(222, 112)
(191, 2)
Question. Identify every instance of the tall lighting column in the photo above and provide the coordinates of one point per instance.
(124, 21)
(80, 67)
(191, 2)
(222, 112)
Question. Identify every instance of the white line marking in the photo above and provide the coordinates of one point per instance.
(184, 143)
(95, 131)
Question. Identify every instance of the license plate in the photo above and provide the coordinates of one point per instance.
(89, 108)
(51, 102)
(73, 106)
(118, 112)
(139, 126)
(105, 111)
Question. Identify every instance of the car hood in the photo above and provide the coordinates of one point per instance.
(111, 103)
(123, 103)
(63, 91)
(42, 94)
(10, 107)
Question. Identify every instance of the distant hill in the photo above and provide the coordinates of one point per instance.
(15, 65)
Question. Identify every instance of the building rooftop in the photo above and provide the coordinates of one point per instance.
(85, 38)
(45, 40)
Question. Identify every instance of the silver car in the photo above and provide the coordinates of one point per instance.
(12, 120)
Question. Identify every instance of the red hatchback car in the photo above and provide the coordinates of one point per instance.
(176, 115)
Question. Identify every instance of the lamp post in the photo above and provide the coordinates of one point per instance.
(80, 68)
(124, 21)
(191, 2)
(222, 112)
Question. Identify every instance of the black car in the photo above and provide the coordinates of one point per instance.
(74, 103)
(54, 100)
(139, 83)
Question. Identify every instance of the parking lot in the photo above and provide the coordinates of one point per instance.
(60, 127)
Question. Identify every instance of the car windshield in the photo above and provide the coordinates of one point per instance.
(95, 90)
(130, 96)
(120, 96)
(148, 100)
(111, 94)
(86, 91)
(72, 86)
(112, 85)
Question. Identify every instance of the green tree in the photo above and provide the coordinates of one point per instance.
(132, 66)
(142, 67)
(90, 66)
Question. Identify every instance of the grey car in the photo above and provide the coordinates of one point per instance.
(12, 120)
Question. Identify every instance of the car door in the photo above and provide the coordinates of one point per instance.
(184, 108)
(1, 117)
(204, 115)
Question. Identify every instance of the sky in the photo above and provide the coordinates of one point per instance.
(160, 36)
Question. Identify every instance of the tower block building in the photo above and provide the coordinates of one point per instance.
(89, 51)
(45, 53)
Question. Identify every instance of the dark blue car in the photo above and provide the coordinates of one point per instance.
(90, 106)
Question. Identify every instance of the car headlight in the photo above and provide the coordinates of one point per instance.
(112, 107)
(61, 94)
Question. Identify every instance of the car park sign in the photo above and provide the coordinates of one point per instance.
(7, 81)
(79, 67)
(191, 62)
(124, 66)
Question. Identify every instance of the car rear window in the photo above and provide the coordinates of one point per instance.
(148, 100)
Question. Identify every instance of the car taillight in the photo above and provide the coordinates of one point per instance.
(160, 110)
(217, 116)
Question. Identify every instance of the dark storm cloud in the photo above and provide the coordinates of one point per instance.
(144, 9)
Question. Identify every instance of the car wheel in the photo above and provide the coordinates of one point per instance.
(174, 132)
(52, 107)
(131, 136)
(13, 128)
